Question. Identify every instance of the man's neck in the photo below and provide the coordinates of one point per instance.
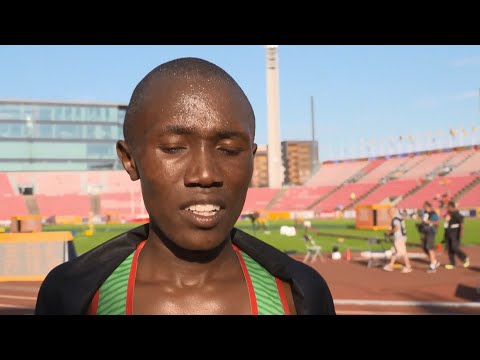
(159, 261)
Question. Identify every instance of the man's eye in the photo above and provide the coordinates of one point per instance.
(230, 151)
(172, 150)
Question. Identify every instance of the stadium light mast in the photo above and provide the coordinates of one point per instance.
(314, 156)
(275, 176)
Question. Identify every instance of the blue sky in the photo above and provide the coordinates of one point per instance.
(363, 94)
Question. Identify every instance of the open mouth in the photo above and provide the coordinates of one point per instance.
(204, 209)
(203, 216)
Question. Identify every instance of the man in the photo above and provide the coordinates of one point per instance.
(453, 235)
(399, 232)
(428, 229)
(189, 138)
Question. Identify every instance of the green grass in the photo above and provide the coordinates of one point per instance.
(82, 242)
(347, 227)
(103, 233)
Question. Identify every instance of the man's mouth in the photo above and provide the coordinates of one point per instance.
(204, 209)
(204, 214)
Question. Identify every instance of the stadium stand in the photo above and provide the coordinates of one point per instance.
(12, 205)
(391, 189)
(112, 182)
(75, 205)
(471, 165)
(371, 166)
(372, 181)
(49, 183)
(341, 197)
(427, 164)
(460, 157)
(5, 187)
(437, 187)
(336, 173)
(258, 198)
(299, 198)
(387, 167)
(60, 183)
(127, 205)
(471, 198)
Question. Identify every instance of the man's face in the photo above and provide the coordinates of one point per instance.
(426, 208)
(194, 156)
(450, 209)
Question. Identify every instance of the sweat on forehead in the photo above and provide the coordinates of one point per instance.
(199, 73)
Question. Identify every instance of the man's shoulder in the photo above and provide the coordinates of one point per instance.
(309, 288)
(68, 288)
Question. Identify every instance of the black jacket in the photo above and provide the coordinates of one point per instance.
(68, 289)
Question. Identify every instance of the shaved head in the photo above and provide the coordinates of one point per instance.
(189, 138)
(180, 70)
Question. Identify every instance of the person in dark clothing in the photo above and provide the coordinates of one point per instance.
(189, 139)
(453, 235)
(428, 229)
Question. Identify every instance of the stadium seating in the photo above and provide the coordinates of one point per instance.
(468, 167)
(383, 170)
(437, 187)
(69, 193)
(336, 173)
(342, 196)
(112, 182)
(460, 156)
(49, 183)
(258, 198)
(470, 198)
(12, 205)
(390, 189)
(127, 205)
(5, 186)
(299, 198)
(75, 205)
(372, 165)
(75, 182)
(427, 164)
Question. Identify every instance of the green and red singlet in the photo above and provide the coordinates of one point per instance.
(115, 296)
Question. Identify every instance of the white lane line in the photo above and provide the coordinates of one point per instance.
(360, 312)
(18, 297)
(407, 303)
(12, 306)
(20, 288)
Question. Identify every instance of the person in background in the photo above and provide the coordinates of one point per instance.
(429, 226)
(453, 235)
(398, 230)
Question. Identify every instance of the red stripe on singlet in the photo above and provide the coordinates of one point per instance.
(94, 305)
(251, 292)
(131, 279)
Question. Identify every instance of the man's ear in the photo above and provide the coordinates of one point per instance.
(127, 159)
(254, 149)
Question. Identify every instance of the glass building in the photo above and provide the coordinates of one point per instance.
(58, 136)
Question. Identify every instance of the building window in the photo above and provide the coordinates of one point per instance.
(45, 113)
(67, 131)
(46, 131)
(101, 151)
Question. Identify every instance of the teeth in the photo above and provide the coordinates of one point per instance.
(204, 209)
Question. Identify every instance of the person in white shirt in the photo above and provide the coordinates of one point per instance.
(399, 232)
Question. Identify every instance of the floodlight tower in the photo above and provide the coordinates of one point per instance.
(275, 168)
